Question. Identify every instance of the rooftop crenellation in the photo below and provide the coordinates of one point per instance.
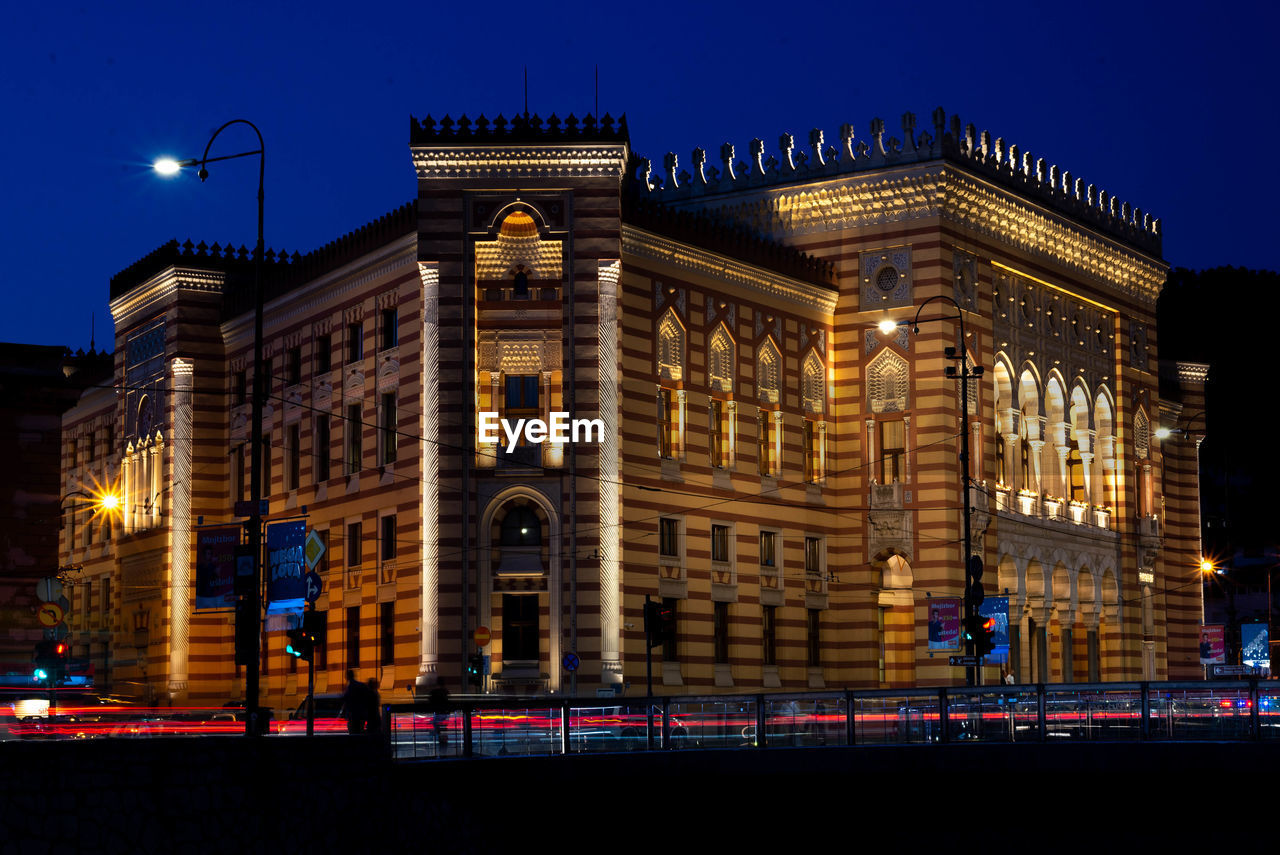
(281, 270)
(522, 127)
(1006, 164)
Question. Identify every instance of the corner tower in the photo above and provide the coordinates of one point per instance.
(519, 244)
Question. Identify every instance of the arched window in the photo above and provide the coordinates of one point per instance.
(1000, 473)
(1141, 435)
(720, 360)
(768, 372)
(520, 283)
(887, 383)
(521, 527)
(1075, 476)
(814, 384)
(671, 347)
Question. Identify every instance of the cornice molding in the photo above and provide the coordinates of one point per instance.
(1193, 372)
(943, 190)
(522, 162)
(656, 248)
(162, 288)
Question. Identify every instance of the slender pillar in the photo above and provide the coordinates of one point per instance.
(610, 570)
(429, 472)
(180, 529)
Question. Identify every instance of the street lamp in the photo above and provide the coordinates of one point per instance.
(253, 611)
(973, 583)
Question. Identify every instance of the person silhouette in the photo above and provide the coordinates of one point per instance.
(355, 703)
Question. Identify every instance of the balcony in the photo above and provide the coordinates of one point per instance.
(1004, 498)
(1078, 512)
(887, 497)
(1028, 503)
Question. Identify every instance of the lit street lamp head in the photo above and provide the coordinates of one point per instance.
(168, 166)
(887, 326)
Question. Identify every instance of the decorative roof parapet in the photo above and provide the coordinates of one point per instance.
(520, 128)
(199, 255)
(703, 230)
(1006, 165)
(281, 271)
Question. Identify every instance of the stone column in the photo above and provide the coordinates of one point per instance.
(733, 434)
(906, 449)
(822, 451)
(680, 421)
(1012, 468)
(180, 529)
(1037, 447)
(429, 471)
(609, 497)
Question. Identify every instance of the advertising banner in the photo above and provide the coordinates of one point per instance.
(286, 566)
(1213, 645)
(215, 567)
(1254, 645)
(997, 608)
(944, 624)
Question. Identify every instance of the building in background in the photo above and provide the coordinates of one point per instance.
(771, 466)
(39, 384)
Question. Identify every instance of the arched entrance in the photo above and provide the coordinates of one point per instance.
(520, 590)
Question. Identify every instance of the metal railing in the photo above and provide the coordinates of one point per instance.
(1220, 711)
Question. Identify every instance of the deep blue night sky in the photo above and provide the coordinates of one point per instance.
(1170, 108)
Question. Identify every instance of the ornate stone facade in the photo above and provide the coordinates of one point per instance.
(773, 467)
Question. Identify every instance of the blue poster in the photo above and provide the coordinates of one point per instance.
(1254, 649)
(286, 566)
(997, 608)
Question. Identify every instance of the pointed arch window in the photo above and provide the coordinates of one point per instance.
(1141, 435)
(887, 383)
(813, 384)
(768, 372)
(671, 342)
(720, 360)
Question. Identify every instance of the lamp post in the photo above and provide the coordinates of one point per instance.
(253, 611)
(972, 580)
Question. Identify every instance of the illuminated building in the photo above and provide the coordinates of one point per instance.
(773, 467)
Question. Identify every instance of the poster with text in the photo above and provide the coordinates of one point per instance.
(1213, 645)
(286, 566)
(1254, 647)
(997, 608)
(215, 567)
(944, 624)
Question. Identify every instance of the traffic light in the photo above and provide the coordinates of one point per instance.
(659, 623)
(973, 588)
(475, 668)
(981, 632)
(50, 661)
(301, 644)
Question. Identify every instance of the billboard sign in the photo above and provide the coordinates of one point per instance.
(216, 567)
(286, 566)
(1255, 649)
(1213, 645)
(997, 608)
(944, 623)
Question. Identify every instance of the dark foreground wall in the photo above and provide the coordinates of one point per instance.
(233, 795)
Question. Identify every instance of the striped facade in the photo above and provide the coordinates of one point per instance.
(773, 467)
